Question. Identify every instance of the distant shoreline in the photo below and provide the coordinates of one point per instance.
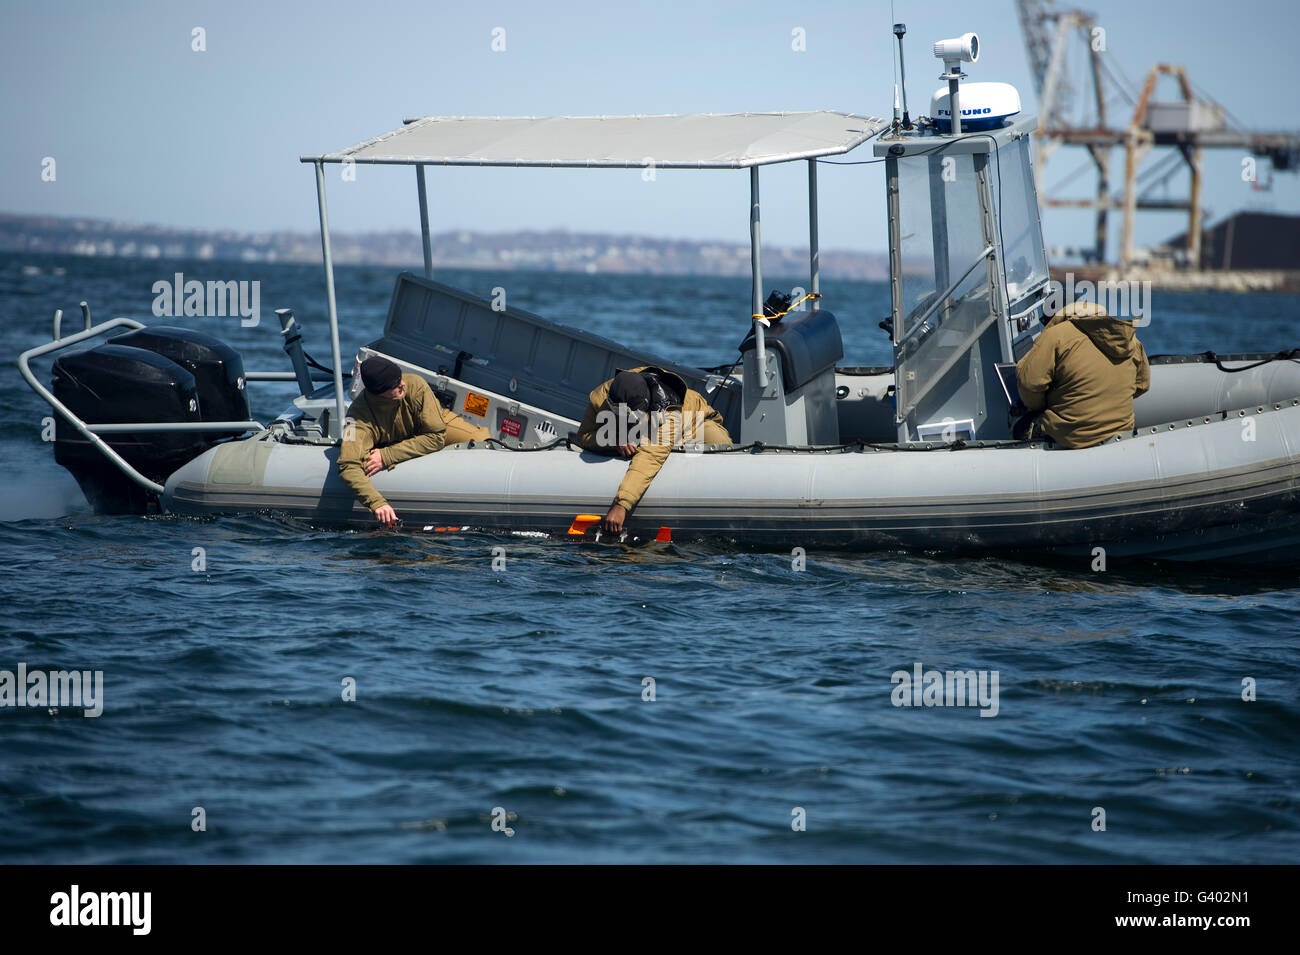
(543, 251)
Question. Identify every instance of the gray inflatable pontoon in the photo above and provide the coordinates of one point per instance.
(1191, 489)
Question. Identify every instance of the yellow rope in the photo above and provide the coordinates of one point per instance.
(793, 306)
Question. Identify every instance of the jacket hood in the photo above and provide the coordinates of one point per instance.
(663, 373)
(1114, 337)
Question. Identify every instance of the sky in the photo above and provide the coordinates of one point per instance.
(145, 129)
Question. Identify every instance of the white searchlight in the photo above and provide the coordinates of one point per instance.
(965, 48)
(954, 52)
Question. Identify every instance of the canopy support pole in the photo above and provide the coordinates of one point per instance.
(336, 426)
(814, 254)
(756, 269)
(424, 220)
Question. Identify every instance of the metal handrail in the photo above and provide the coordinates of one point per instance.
(61, 408)
(284, 376)
(89, 430)
(919, 321)
(131, 427)
(1038, 297)
(948, 362)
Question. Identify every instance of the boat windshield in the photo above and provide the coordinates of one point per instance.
(940, 233)
(1022, 232)
(942, 249)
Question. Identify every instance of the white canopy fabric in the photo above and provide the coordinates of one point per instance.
(687, 141)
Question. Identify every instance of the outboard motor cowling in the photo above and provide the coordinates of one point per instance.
(217, 368)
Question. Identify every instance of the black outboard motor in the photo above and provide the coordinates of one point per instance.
(217, 368)
(135, 378)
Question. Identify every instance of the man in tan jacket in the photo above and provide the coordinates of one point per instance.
(1083, 373)
(397, 417)
(641, 414)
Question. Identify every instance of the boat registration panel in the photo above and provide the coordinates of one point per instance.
(477, 404)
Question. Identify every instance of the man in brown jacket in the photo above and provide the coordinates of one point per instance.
(1083, 372)
(397, 417)
(641, 414)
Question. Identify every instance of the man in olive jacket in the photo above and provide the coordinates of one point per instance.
(397, 417)
(1083, 372)
(641, 414)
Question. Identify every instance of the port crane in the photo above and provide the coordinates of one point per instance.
(1116, 113)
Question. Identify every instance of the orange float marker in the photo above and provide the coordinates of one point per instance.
(582, 522)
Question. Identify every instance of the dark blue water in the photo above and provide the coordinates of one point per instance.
(522, 688)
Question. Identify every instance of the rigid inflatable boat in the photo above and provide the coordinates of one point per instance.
(917, 455)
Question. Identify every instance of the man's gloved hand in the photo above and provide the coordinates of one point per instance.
(1021, 424)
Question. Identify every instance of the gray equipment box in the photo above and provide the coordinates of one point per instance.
(797, 406)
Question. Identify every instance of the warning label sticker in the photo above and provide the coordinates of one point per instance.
(511, 427)
(477, 404)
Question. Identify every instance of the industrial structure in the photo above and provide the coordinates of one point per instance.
(1113, 112)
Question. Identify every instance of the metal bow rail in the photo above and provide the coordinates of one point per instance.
(92, 431)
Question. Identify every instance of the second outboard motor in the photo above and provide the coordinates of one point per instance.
(217, 368)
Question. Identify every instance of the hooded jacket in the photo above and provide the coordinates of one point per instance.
(402, 428)
(1083, 372)
(693, 420)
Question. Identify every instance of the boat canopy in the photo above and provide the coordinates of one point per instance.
(679, 141)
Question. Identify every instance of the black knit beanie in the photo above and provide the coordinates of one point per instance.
(380, 375)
